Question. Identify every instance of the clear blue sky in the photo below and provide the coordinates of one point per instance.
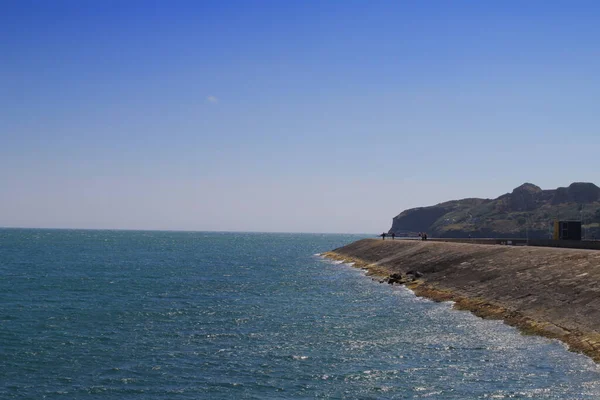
(312, 116)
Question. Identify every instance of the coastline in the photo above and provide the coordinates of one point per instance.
(548, 292)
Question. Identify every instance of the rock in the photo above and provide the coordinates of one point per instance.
(394, 278)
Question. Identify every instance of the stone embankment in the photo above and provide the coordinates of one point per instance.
(553, 292)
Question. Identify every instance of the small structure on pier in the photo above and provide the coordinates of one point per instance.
(567, 230)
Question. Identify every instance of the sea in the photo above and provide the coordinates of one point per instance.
(88, 314)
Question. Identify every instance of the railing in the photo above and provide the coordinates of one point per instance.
(571, 244)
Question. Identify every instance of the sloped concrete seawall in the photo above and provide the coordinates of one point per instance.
(553, 292)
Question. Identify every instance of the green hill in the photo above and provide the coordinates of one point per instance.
(527, 210)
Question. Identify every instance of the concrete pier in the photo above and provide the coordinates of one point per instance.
(553, 292)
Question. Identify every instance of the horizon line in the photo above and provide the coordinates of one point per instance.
(181, 230)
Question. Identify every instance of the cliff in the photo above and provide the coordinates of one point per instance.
(527, 210)
(548, 291)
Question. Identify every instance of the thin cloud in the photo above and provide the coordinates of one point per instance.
(212, 99)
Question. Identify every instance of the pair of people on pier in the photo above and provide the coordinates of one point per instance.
(383, 235)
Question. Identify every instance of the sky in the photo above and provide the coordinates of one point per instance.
(288, 116)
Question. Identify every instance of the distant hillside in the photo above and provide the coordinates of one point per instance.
(526, 209)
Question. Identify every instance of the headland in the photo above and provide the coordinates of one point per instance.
(526, 212)
(553, 292)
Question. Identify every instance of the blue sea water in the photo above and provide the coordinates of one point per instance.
(193, 315)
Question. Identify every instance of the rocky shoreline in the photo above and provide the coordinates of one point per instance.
(550, 292)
